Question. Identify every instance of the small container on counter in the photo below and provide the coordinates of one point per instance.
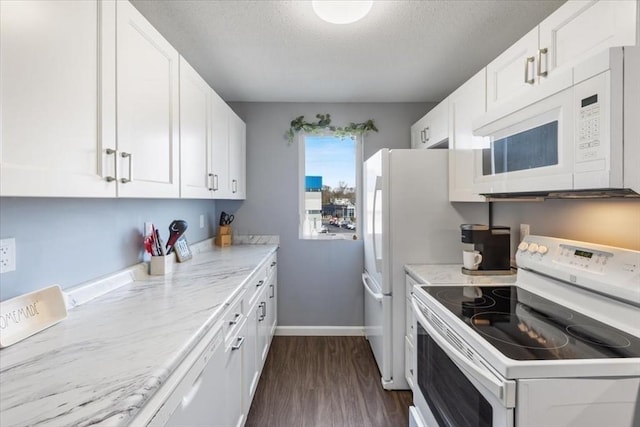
(161, 265)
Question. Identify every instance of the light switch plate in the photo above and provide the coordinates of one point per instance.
(7, 255)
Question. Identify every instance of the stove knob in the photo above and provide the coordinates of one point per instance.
(542, 250)
(533, 248)
(523, 246)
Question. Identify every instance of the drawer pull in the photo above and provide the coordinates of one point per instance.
(273, 264)
(273, 291)
(260, 283)
(235, 319)
(239, 343)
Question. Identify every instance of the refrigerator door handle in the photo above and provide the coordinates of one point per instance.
(376, 258)
(365, 282)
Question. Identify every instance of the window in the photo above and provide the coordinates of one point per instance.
(330, 169)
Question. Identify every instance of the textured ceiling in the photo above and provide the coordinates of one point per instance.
(403, 51)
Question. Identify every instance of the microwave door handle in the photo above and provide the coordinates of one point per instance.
(505, 391)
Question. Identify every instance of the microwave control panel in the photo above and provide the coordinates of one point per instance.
(589, 129)
(591, 123)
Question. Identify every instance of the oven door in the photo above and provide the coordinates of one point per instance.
(452, 390)
(531, 149)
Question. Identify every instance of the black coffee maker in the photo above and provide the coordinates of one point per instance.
(493, 243)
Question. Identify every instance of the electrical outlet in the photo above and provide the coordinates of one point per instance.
(201, 220)
(524, 231)
(7, 255)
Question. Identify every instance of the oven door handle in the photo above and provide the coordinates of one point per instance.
(503, 390)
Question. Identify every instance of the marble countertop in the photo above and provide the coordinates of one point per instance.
(451, 274)
(104, 362)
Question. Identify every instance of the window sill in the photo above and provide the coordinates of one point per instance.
(330, 236)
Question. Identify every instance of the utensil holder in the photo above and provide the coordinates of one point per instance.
(161, 265)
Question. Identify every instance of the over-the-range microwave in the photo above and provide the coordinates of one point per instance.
(580, 141)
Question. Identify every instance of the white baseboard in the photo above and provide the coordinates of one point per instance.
(314, 331)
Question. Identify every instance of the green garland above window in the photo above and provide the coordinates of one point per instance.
(324, 124)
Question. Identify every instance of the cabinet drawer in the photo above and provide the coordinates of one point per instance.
(255, 284)
(232, 318)
(272, 265)
(408, 362)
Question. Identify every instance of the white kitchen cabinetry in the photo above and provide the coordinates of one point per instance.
(545, 55)
(196, 177)
(148, 108)
(205, 402)
(57, 90)
(237, 156)
(409, 332)
(235, 354)
(220, 147)
(465, 104)
(431, 130)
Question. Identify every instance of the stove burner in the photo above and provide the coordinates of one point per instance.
(504, 293)
(455, 298)
(598, 335)
(534, 333)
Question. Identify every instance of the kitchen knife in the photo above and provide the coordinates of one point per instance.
(176, 229)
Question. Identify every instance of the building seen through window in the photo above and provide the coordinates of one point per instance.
(329, 200)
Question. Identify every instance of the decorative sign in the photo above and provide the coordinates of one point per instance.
(28, 314)
(183, 253)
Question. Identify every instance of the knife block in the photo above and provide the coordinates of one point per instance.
(223, 239)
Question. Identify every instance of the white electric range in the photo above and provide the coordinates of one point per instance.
(561, 347)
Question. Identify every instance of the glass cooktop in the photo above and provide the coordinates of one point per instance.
(524, 326)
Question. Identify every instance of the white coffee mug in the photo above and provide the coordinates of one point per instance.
(471, 259)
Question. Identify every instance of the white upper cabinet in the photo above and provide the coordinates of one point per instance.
(55, 99)
(196, 179)
(237, 156)
(433, 128)
(221, 183)
(580, 29)
(148, 108)
(465, 104)
(539, 64)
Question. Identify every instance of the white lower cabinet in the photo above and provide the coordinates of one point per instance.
(409, 332)
(204, 403)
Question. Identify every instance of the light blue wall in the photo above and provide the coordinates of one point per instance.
(319, 281)
(70, 241)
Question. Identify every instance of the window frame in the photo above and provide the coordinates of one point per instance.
(301, 142)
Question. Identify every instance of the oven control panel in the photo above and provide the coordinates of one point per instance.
(604, 269)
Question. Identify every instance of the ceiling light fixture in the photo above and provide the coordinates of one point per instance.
(341, 11)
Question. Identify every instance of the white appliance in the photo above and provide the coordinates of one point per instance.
(560, 348)
(408, 219)
(574, 138)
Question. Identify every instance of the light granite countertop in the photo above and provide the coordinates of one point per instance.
(451, 274)
(102, 363)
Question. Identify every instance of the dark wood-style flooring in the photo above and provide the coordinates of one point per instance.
(325, 382)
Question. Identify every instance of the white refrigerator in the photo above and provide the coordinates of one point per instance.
(408, 220)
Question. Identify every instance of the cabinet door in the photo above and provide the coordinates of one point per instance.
(50, 143)
(205, 403)
(513, 71)
(251, 370)
(233, 378)
(580, 29)
(220, 147)
(148, 106)
(195, 126)
(237, 156)
(272, 305)
(465, 105)
(432, 129)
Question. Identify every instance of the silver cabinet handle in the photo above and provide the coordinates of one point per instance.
(528, 61)
(238, 344)
(427, 134)
(109, 152)
(215, 182)
(212, 188)
(423, 136)
(130, 157)
(273, 264)
(234, 186)
(260, 283)
(263, 307)
(273, 291)
(235, 319)
(544, 52)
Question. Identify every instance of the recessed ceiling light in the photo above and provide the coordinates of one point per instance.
(341, 11)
